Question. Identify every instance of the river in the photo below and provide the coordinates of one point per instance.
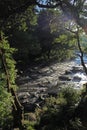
(81, 74)
(37, 82)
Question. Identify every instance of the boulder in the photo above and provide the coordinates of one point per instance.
(29, 107)
(76, 69)
(64, 78)
(68, 72)
(76, 78)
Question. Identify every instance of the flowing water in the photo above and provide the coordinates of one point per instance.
(78, 76)
(37, 82)
(52, 75)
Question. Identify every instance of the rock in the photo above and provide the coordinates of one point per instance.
(29, 107)
(34, 94)
(53, 93)
(76, 78)
(24, 101)
(76, 69)
(64, 78)
(30, 116)
(37, 105)
(23, 95)
(37, 83)
(54, 83)
(68, 72)
(41, 98)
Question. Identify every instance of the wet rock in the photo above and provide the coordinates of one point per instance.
(68, 72)
(34, 94)
(53, 93)
(29, 107)
(24, 79)
(76, 69)
(65, 78)
(24, 101)
(41, 98)
(23, 95)
(37, 83)
(54, 83)
(76, 78)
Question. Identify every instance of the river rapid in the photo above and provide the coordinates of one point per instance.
(39, 81)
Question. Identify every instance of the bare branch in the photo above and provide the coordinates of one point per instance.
(49, 6)
(74, 32)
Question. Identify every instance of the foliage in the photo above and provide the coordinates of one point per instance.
(83, 40)
(48, 38)
(75, 9)
(26, 19)
(59, 112)
(71, 95)
(7, 66)
(5, 107)
(40, 32)
(64, 44)
(7, 54)
(29, 125)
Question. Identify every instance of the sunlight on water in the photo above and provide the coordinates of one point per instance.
(78, 75)
(78, 61)
(81, 75)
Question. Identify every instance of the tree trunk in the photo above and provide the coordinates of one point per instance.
(81, 52)
(17, 108)
(17, 112)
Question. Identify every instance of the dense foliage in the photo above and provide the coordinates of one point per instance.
(46, 38)
(5, 107)
(7, 72)
(40, 34)
(59, 112)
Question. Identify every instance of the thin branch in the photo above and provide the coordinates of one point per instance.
(24, 6)
(5, 69)
(79, 46)
(49, 6)
(74, 32)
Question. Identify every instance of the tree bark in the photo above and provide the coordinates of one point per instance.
(81, 53)
(17, 112)
(17, 108)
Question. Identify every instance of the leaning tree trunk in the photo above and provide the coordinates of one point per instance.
(81, 53)
(81, 110)
(17, 111)
(17, 108)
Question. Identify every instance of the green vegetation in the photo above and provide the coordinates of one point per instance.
(45, 39)
(6, 53)
(41, 30)
(6, 98)
(9, 101)
(5, 107)
(59, 113)
(29, 125)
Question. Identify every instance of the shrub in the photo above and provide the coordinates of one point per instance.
(5, 108)
(29, 125)
(59, 112)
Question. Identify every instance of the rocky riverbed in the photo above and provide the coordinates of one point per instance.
(39, 82)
